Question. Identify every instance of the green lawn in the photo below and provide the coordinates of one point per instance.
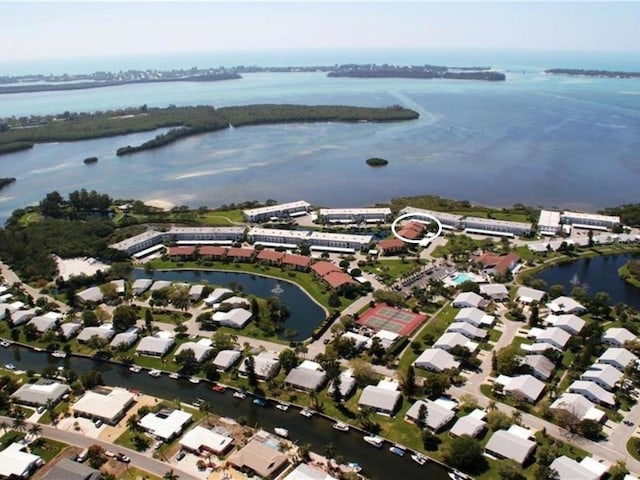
(10, 437)
(60, 408)
(48, 449)
(133, 473)
(391, 270)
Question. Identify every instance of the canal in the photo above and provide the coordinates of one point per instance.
(305, 313)
(597, 274)
(317, 431)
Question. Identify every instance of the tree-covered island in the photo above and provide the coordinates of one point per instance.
(592, 73)
(186, 121)
(6, 181)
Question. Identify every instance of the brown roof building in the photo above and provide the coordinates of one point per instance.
(181, 251)
(391, 246)
(300, 262)
(212, 251)
(260, 459)
(322, 268)
(412, 230)
(497, 264)
(270, 256)
(338, 280)
(240, 253)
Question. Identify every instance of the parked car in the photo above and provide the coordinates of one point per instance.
(180, 455)
(219, 388)
(98, 423)
(123, 458)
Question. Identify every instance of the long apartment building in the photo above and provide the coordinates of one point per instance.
(496, 227)
(272, 212)
(354, 215)
(450, 221)
(337, 242)
(194, 235)
(550, 222)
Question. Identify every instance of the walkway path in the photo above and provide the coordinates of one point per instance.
(10, 277)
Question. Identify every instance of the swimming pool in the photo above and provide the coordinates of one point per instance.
(461, 277)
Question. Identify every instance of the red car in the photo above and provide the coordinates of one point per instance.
(219, 388)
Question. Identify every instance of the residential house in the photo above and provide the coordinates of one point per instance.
(124, 340)
(506, 444)
(91, 295)
(526, 386)
(259, 458)
(202, 441)
(569, 469)
(607, 376)
(225, 359)
(529, 295)
(438, 417)
(308, 377)
(495, 291)
(66, 469)
(579, 406)
(165, 424)
(157, 345)
(618, 336)
(104, 332)
(436, 360)
(593, 392)
(469, 299)
(15, 462)
(566, 305)
(44, 391)
(391, 246)
(141, 285)
(568, 322)
(106, 404)
(234, 318)
(554, 336)
(541, 366)
(472, 424)
(201, 349)
(266, 365)
(383, 398)
(618, 357)
(475, 317)
(467, 330)
(449, 340)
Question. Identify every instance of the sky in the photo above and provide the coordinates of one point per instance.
(49, 29)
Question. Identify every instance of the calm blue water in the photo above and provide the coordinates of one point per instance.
(599, 274)
(535, 139)
(305, 314)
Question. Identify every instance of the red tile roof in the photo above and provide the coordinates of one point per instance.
(270, 255)
(322, 268)
(391, 244)
(297, 260)
(412, 230)
(338, 279)
(500, 263)
(212, 250)
(239, 252)
(180, 251)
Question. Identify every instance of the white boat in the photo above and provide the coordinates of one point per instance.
(398, 450)
(354, 467)
(155, 373)
(59, 354)
(174, 376)
(135, 369)
(10, 366)
(283, 432)
(195, 380)
(283, 406)
(374, 440)
(240, 395)
(419, 458)
(455, 475)
(343, 427)
(5, 344)
(306, 413)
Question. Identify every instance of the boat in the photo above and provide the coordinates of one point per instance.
(5, 344)
(306, 413)
(240, 395)
(455, 475)
(155, 373)
(283, 406)
(398, 450)
(260, 401)
(374, 440)
(195, 380)
(354, 467)
(174, 376)
(10, 366)
(419, 458)
(36, 349)
(283, 432)
(59, 354)
(198, 402)
(343, 427)
(135, 369)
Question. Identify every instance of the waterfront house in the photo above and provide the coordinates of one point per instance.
(308, 377)
(449, 221)
(70, 329)
(354, 215)
(159, 285)
(308, 472)
(507, 444)
(270, 257)
(234, 318)
(124, 340)
(323, 267)
(202, 441)
(618, 336)
(19, 317)
(156, 346)
(297, 262)
(383, 398)
(348, 385)
(271, 212)
(240, 254)
(259, 458)
(472, 424)
(201, 349)
(218, 295)
(475, 317)
(104, 332)
(468, 300)
(225, 359)
(43, 323)
(593, 392)
(44, 391)
(103, 403)
(438, 417)
(15, 462)
(436, 360)
(578, 406)
(195, 292)
(91, 295)
(165, 424)
(266, 365)
(566, 305)
(182, 252)
(526, 386)
(141, 285)
(212, 252)
(618, 357)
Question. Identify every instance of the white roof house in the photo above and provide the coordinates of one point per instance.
(618, 336)
(43, 323)
(437, 360)
(528, 386)
(549, 222)
(195, 292)
(505, 444)
(537, 347)
(568, 322)
(165, 424)
(475, 317)
(201, 349)
(266, 365)
(305, 377)
(471, 425)
(581, 407)
(386, 338)
(157, 346)
(380, 398)
(495, 291)
(18, 317)
(236, 300)
(607, 376)
(234, 318)
(348, 384)
(437, 415)
(530, 295)
(159, 285)
(541, 366)
(217, 295)
(200, 439)
(449, 340)
(308, 472)
(360, 341)
(593, 392)
(14, 462)
(40, 393)
(225, 359)
(91, 294)
(70, 329)
(467, 330)
(104, 331)
(469, 299)
(125, 338)
(569, 469)
(120, 286)
(141, 285)
(107, 404)
(554, 336)
(566, 305)
(618, 357)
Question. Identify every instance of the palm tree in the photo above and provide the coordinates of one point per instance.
(170, 475)
(4, 426)
(35, 430)
(492, 406)
(206, 409)
(19, 423)
(516, 416)
(132, 423)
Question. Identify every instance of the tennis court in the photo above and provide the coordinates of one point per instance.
(396, 320)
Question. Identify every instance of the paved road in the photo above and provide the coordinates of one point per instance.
(139, 460)
(10, 278)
